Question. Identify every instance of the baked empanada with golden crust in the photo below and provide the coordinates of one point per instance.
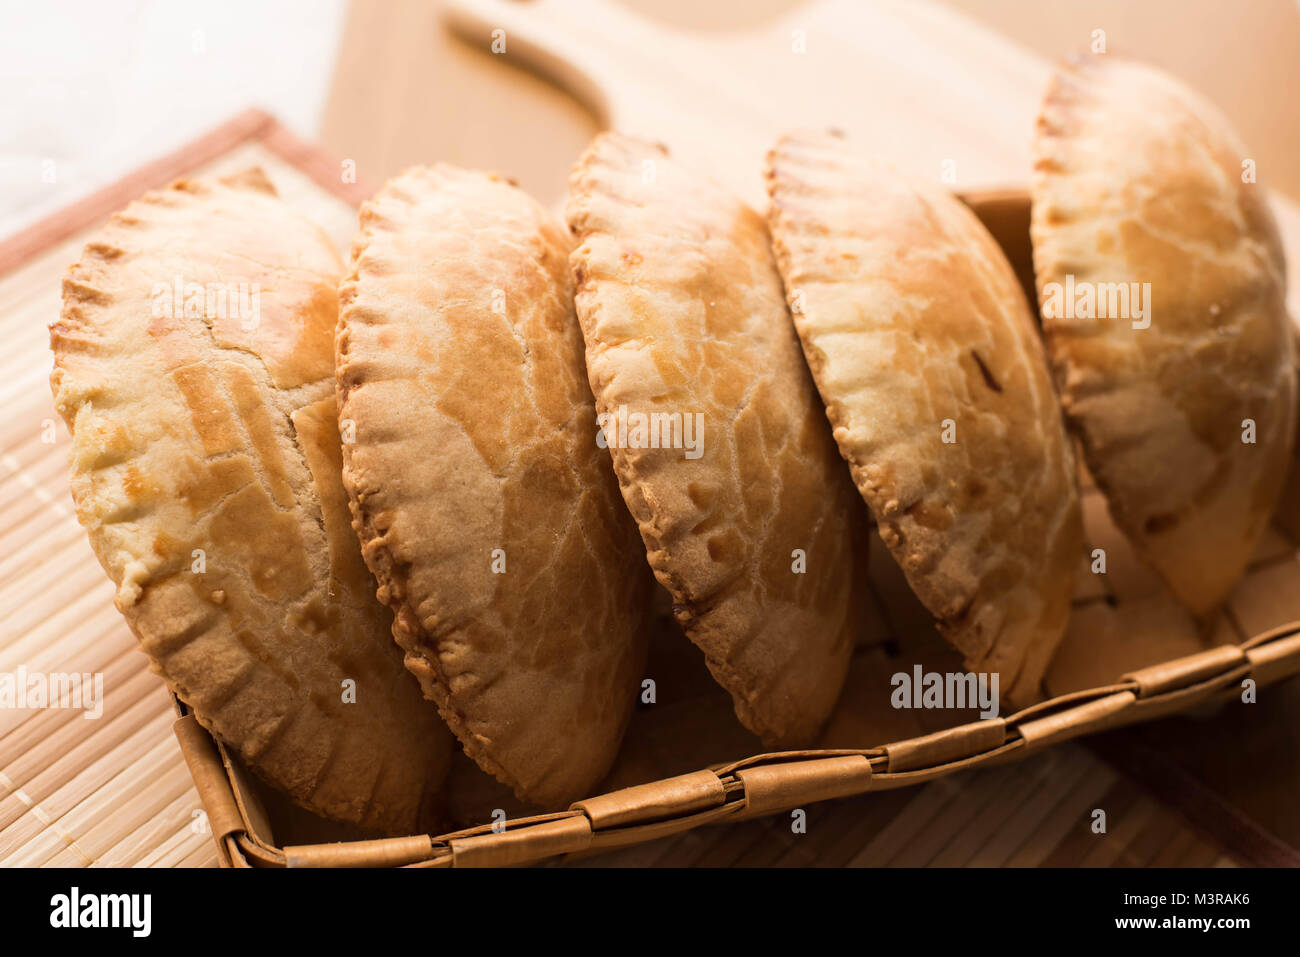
(1185, 354)
(929, 362)
(755, 531)
(193, 363)
(485, 509)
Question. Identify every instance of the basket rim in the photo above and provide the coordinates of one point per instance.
(755, 786)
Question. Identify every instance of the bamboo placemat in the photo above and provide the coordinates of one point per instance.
(115, 791)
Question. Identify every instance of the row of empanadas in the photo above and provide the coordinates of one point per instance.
(516, 402)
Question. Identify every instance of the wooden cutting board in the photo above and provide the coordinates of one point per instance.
(935, 92)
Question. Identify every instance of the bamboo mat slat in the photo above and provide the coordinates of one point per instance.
(103, 839)
(116, 792)
(96, 792)
(40, 779)
(919, 814)
(48, 735)
(1083, 794)
(174, 819)
(171, 850)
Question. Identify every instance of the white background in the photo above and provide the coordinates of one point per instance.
(101, 86)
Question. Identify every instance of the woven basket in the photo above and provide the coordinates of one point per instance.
(1131, 655)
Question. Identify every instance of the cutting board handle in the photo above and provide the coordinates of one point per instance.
(566, 43)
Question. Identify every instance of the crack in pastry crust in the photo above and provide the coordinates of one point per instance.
(1138, 180)
(682, 312)
(910, 317)
(459, 359)
(190, 432)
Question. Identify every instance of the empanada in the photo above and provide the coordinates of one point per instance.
(929, 362)
(1162, 286)
(485, 509)
(193, 364)
(720, 444)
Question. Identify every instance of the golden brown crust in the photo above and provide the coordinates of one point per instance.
(916, 330)
(460, 368)
(205, 467)
(1138, 180)
(682, 312)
